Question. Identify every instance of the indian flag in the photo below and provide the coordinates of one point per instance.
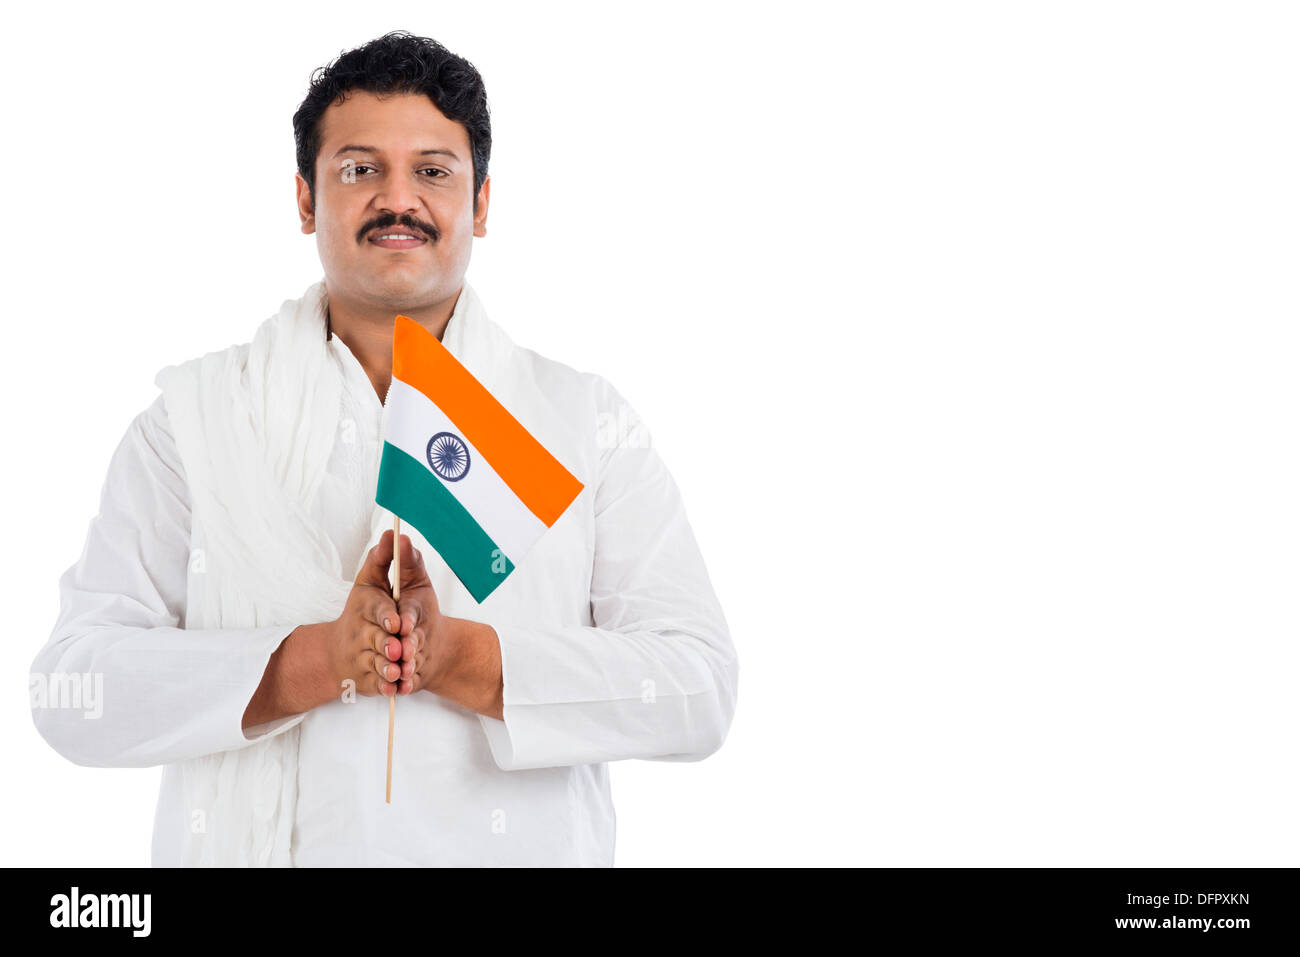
(460, 468)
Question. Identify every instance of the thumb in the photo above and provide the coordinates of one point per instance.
(375, 569)
(413, 570)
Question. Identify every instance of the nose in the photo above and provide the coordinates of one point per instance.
(396, 195)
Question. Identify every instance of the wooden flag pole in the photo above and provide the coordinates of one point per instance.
(392, 702)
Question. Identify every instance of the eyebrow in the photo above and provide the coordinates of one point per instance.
(352, 148)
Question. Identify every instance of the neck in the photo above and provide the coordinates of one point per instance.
(367, 331)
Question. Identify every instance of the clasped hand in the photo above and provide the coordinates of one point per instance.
(384, 646)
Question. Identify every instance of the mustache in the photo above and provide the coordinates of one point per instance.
(428, 230)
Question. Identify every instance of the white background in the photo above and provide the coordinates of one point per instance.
(969, 332)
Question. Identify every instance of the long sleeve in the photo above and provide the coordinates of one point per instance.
(656, 677)
(121, 682)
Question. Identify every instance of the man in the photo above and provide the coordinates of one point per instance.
(234, 590)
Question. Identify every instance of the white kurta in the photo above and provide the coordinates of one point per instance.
(613, 646)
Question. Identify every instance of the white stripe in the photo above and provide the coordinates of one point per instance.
(412, 421)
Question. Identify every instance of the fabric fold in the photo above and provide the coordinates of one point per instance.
(255, 425)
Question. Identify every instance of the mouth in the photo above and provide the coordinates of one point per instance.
(396, 237)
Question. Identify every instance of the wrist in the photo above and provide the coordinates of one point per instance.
(448, 639)
(470, 671)
(306, 679)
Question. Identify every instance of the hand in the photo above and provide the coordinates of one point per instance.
(311, 665)
(360, 645)
(422, 623)
(455, 658)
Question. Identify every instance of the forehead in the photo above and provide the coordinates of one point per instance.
(395, 124)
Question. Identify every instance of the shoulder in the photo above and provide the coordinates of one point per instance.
(195, 369)
(194, 391)
(559, 379)
(614, 417)
(153, 428)
(152, 423)
(194, 394)
(146, 469)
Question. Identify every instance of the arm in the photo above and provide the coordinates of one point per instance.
(360, 647)
(293, 682)
(163, 693)
(655, 678)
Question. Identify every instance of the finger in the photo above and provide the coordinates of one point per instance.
(374, 571)
(412, 613)
(382, 643)
(389, 671)
(411, 682)
(413, 570)
(370, 678)
(413, 644)
(383, 612)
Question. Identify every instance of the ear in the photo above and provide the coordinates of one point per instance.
(306, 207)
(480, 218)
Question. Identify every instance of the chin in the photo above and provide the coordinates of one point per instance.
(401, 288)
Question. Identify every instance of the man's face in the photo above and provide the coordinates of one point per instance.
(416, 175)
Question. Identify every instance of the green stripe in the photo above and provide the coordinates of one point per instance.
(416, 495)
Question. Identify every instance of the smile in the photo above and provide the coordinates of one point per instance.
(397, 241)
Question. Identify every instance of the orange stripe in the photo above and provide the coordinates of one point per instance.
(544, 485)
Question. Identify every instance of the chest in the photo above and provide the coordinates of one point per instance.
(551, 583)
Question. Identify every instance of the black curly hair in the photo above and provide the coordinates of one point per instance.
(398, 62)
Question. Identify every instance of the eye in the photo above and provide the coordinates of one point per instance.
(361, 166)
(440, 171)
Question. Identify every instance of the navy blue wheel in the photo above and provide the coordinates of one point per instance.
(448, 456)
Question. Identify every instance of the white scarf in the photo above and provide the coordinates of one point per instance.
(255, 425)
